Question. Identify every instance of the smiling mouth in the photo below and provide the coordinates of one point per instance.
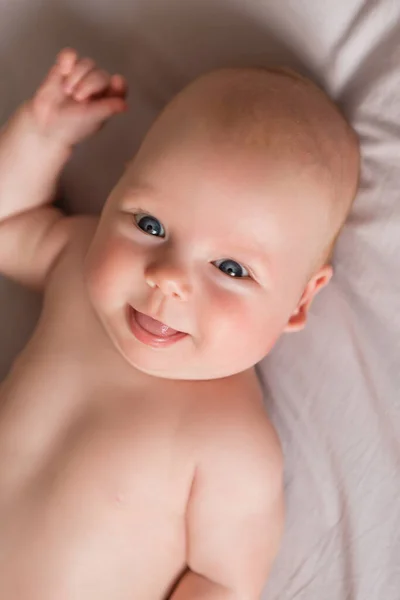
(151, 332)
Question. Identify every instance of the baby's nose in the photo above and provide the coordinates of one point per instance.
(170, 279)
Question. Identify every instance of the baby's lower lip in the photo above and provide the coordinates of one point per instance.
(148, 338)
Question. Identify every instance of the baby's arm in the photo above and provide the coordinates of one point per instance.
(73, 102)
(235, 516)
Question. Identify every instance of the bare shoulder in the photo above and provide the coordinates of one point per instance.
(33, 242)
(235, 512)
(234, 427)
(77, 233)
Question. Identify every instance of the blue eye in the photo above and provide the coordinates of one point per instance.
(149, 225)
(231, 268)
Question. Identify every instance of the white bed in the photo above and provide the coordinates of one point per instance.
(333, 390)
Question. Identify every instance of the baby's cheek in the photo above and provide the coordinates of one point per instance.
(244, 326)
(268, 320)
(228, 318)
(108, 273)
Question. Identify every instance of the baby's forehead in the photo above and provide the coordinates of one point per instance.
(240, 127)
(271, 115)
(240, 187)
(231, 201)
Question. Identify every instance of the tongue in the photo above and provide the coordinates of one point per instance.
(155, 327)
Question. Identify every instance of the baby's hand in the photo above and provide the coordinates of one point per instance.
(76, 98)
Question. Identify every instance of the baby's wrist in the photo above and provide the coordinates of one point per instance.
(27, 153)
(38, 136)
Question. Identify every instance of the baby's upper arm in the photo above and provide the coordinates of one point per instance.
(235, 512)
(31, 242)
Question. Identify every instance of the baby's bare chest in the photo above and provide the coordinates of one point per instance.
(102, 437)
(89, 468)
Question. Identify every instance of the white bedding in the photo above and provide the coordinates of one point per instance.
(334, 389)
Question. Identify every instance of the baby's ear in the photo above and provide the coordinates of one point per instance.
(298, 319)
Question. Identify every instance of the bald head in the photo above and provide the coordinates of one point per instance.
(273, 113)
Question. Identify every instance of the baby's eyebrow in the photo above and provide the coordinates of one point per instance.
(134, 193)
(253, 255)
(261, 258)
(138, 188)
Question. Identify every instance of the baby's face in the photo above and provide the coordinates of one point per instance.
(215, 241)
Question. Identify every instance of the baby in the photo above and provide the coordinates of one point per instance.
(137, 461)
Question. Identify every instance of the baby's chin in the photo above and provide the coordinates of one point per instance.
(167, 363)
(182, 360)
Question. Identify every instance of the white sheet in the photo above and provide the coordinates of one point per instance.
(333, 390)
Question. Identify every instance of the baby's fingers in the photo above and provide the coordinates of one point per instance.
(103, 109)
(66, 60)
(81, 69)
(118, 86)
(95, 82)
